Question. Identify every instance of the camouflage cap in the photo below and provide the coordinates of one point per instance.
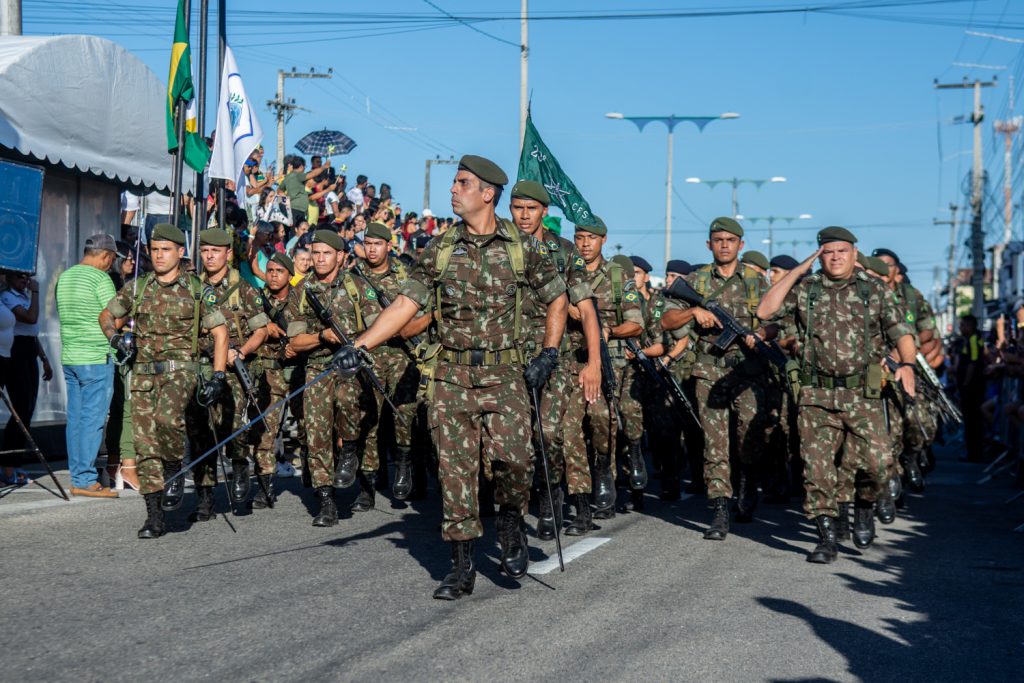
(378, 231)
(784, 261)
(641, 263)
(834, 233)
(215, 237)
(531, 189)
(625, 263)
(876, 266)
(726, 224)
(330, 238)
(755, 258)
(595, 226)
(165, 232)
(283, 260)
(484, 169)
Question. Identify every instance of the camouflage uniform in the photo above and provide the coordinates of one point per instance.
(731, 389)
(279, 377)
(921, 423)
(163, 382)
(335, 407)
(479, 408)
(841, 376)
(564, 383)
(662, 416)
(242, 307)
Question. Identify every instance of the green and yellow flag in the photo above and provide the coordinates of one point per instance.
(180, 89)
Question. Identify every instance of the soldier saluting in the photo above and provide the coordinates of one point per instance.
(842, 318)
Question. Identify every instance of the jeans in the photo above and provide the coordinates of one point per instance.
(89, 389)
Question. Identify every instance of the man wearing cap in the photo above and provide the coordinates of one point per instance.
(618, 305)
(757, 261)
(475, 275)
(279, 375)
(242, 306)
(730, 383)
(844, 320)
(172, 314)
(396, 366)
(336, 407)
(529, 207)
(83, 291)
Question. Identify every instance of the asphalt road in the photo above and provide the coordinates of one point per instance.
(940, 596)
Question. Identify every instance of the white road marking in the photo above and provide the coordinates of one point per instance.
(577, 549)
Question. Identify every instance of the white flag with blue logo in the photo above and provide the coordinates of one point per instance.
(238, 130)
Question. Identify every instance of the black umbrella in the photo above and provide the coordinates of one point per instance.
(325, 143)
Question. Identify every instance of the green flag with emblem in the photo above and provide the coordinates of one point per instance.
(536, 162)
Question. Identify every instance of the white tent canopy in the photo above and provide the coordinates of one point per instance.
(86, 103)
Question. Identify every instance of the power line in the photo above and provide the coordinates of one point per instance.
(471, 27)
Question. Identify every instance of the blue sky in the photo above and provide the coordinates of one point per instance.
(843, 106)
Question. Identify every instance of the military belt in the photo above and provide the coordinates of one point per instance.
(159, 367)
(821, 381)
(477, 357)
(727, 361)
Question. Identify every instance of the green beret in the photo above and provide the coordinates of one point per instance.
(330, 238)
(834, 233)
(167, 233)
(726, 224)
(594, 226)
(626, 263)
(877, 266)
(378, 231)
(531, 189)
(283, 260)
(215, 237)
(755, 258)
(484, 169)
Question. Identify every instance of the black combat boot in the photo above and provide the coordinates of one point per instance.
(637, 467)
(174, 492)
(512, 539)
(885, 507)
(462, 576)
(915, 480)
(719, 528)
(403, 473)
(545, 515)
(240, 483)
(154, 526)
(841, 525)
(264, 492)
(204, 510)
(670, 489)
(328, 515)
(583, 522)
(636, 498)
(896, 491)
(826, 550)
(746, 501)
(863, 523)
(365, 501)
(604, 488)
(347, 468)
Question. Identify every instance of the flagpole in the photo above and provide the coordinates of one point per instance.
(179, 156)
(222, 38)
(200, 192)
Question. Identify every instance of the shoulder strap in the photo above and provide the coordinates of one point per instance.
(813, 294)
(146, 279)
(752, 290)
(233, 294)
(616, 274)
(353, 295)
(518, 261)
(864, 292)
(444, 256)
(703, 280)
(195, 288)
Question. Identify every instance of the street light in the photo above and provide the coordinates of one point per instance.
(670, 123)
(770, 241)
(735, 183)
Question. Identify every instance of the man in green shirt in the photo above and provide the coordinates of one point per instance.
(294, 185)
(82, 292)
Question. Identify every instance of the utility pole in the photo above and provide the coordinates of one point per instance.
(426, 177)
(977, 195)
(10, 17)
(284, 109)
(524, 59)
(1007, 128)
(951, 272)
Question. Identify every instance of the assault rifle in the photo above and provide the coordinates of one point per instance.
(607, 372)
(662, 377)
(383, 298)
(933, 391)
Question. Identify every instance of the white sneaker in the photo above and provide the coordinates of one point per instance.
(285, 469)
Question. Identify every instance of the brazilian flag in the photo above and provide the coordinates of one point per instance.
(181, 89)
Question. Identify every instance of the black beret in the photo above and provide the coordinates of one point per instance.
(594, 225)
(283, 260)
(678, 266)
(834, 233)
(215, 237)
(784, 261)
(726, 224)
(886, 252)
(755, 258)
(167, 233)
(378, 231)
(484, 169)
(330, 238)
(641, 263)
(531, 189)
